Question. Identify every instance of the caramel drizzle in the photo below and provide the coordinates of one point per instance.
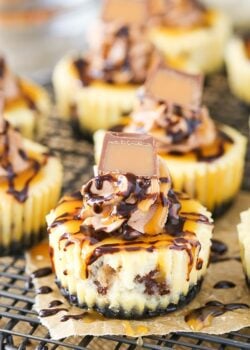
(22, 195)
(221, 149)
(203, 316)
(87, 235)
(246, 40)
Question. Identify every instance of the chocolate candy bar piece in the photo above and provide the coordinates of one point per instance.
(126, 11)
(175, 87)
(128, 153)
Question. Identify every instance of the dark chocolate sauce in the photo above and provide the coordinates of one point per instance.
(65, 318)
(216, 259)
(199, 264)
(22, 195)
(44, 290)
(175, 222)
(2, 67)
(224, 285)
(197, 217)
(81, 66)
(218, 247)
(130, 238)
(50, 312)
(43, 272)
(55, 303)
(223, 140)
(198, 318)
(246, 41)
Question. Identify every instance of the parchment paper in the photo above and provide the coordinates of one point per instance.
(230, 270)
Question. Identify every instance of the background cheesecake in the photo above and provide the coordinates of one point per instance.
(27, 105)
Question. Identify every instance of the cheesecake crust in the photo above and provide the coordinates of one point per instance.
(134, 314)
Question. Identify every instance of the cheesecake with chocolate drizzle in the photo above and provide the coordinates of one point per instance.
(27, 105)
(244, 241)
(30, 184)
(96, 89)
(128, 245)
(205, 159)
(187, 31)
(237, 60)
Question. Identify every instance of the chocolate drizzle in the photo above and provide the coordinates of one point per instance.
(219, 149)
(224, 285)
(246, 41)
(22, 195)
(55, 303)
(43, 272)
(131, 240)
(50, 312)
(82, 66)
(65, 318)
(202, 317)
(122, 55)
(44, 290)
(218, 249)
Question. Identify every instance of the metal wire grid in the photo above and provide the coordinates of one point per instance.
(20, 328)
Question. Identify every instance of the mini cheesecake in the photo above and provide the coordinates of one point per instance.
(244, 240)
(188, 31)
(129, 246)
(238, 66)
(97, 89)
(27, 105)
(205, 159)
(30, 184)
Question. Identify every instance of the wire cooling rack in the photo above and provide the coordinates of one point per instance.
(20, 328)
